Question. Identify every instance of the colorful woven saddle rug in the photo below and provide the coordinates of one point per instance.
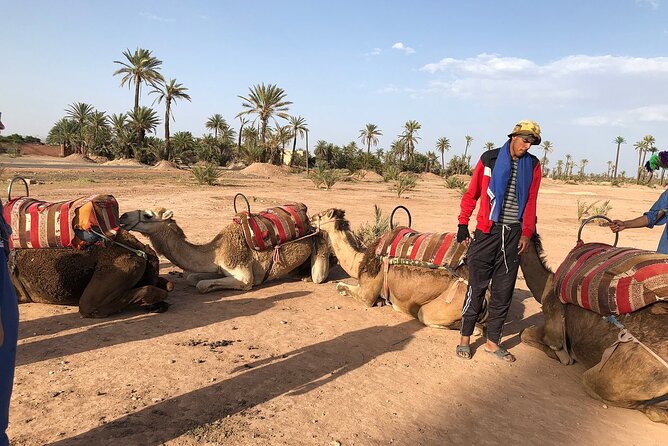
(40, 224)
(610, 280)
(274, 226)
(432, 250)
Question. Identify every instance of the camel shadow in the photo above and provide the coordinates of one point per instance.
(127, 328)
(303, 369)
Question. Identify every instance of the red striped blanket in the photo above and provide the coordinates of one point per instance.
(610, 280)
(40, 224)
(421, 249)
(274, 226)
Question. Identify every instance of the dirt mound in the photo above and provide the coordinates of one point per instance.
(77, 158)
(165, 165)
(123, 162)
(430, 176)
(266, 170)
(236, 166)
(368, 176)
(99, 159)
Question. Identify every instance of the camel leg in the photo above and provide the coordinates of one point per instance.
(533, 336)
(194, 278)
(165, 284)
(367, 292)
(319, 261)
(240, 279)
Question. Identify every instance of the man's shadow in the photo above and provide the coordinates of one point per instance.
(300, 371)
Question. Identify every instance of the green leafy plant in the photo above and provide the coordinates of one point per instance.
(404, 183)
(324, 177)
(391, 173)
(207, 174)
(367, 233)
(453, 182)
(586, 210)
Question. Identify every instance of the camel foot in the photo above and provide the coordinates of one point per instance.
(343, 289)
(159, 307)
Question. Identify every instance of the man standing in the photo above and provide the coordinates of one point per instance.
(506, 180)
(9, 326)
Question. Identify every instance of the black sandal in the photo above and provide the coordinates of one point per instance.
(463, 351)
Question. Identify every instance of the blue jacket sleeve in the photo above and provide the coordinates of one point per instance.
(654, 215)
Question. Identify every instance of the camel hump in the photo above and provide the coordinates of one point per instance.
(42, 224)
(610, 280)
(274, 226)
(428, 249)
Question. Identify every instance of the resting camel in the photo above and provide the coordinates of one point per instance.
(434, 296)
(100, 280)
(226, 262)
(631, 377)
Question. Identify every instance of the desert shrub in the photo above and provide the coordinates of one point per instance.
(367, 233)
(454, 183)
(458, 165)
(586, 210)
(322, 176)
(391, 173)
(207, 174)
(403, 183)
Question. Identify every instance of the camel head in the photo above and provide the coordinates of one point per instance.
(147, 221)
(331, 220)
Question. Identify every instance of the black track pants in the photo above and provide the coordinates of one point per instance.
(492, 257)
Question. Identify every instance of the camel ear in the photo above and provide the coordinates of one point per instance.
(167, 214)
(330, 214)
(149, 213)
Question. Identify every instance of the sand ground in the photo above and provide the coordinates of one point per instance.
(294, 363)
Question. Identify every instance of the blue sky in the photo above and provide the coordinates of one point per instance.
(586, 71)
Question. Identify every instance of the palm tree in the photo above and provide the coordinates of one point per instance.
(216, 123)
(369, 135)
(97, 123)
(63, 133)
(443, 145)
(265, 102)
(298, 127)
(409, 138)
(619, 141)
(583, 164)
(469, 140)
(560, 166)
(80, 112)
(641, 147)
(568, 171)
(307, 168)
(608, 174)
(140, 68)
(121, 135)
(649, 142)
(169, 92)
(140, 121)
(547, 148)
(489, 145)
(432, 160)
(242, 121)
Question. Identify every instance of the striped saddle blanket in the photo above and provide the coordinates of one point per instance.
(40, 224)
(610, 280)
(426, 249)
(274, 226)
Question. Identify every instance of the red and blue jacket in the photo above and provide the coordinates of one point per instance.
(480, 188)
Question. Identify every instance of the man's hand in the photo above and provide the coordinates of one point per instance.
(617, 225)
(523, 245)
(463, 233)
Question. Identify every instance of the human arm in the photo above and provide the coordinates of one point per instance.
(657, 213)
(620, 225)
(470, 197)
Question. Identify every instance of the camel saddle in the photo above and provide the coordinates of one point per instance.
(403, 245)
(40, 224)
(274, 226)
(610, 280)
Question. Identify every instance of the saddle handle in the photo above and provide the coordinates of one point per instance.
(410, 219)
(235, 202)
(11, 183)
(593, 217)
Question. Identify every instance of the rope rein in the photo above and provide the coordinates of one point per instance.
(138, 252)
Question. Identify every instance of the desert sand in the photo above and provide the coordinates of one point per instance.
(292, 362)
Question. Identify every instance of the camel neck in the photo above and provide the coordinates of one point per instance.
(349, 255)
(538, 277)
(185, 255)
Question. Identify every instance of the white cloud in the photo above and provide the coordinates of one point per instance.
(651, 4)
(603, 90)
(401, 47)
(373, 52)
(155, 18)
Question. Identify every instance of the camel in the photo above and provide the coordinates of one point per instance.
(226, 262)
(434, 296)
(101, 280)
(631, 377)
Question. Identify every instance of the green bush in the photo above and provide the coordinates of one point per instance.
(207, 174)
(322, 176)
(368, 233)
(404, 183)
(453, 182)
(391, 173)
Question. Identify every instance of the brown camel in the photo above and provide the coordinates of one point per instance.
(100, 280)
(226, 262)
(434, 296)
(631, 377)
